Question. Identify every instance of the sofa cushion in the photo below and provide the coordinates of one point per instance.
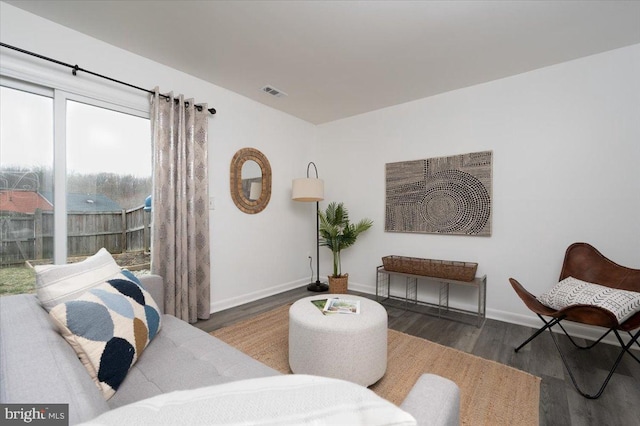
(572, 291)
(109, 326)
(37, 365)
(185, 357)
(58, 283)
(280, 400)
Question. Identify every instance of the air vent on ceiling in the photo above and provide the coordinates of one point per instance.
(273, 91)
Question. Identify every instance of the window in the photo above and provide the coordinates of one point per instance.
(108, 180)
(74, 176)
(26, 172)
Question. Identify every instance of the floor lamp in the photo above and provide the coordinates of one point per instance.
(312, 189)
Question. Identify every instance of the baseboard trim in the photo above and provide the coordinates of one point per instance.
(575, 329)
(232, 302)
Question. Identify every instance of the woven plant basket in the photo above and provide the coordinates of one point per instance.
(338, 285)
(448, 269)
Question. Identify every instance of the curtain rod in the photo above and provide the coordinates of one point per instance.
(76, 68)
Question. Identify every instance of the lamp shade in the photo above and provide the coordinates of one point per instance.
(307, 189)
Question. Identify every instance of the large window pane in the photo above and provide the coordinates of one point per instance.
(108, 180)
(26, 176)
(26, 173)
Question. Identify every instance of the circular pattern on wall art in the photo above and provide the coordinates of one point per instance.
(455, 201)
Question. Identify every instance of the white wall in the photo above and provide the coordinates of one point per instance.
(566, 166)
(251, 254)
(566, 146)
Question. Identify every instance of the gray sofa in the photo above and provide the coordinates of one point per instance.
(38, 366)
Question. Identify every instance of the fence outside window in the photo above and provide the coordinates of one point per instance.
(26, 237)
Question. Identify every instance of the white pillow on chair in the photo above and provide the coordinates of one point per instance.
(572, 291)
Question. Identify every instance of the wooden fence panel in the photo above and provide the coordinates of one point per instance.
(30, 236)
(46, 237)
(17, 240)
(138, 229)
(88, 232)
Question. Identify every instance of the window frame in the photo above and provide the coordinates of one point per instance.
(60, 97)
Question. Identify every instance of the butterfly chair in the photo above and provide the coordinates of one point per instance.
(585, 263)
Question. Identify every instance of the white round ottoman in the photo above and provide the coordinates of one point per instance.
(343, 346)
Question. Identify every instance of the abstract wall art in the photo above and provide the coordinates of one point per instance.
(444, 195)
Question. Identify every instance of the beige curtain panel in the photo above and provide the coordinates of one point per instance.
(180, 216)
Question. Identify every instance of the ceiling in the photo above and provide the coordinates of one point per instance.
(336, 59)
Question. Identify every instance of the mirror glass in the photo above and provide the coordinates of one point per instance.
(250, 180)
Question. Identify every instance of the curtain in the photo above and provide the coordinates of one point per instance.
(180, 214)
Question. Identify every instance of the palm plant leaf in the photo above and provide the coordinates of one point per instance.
(337, 233)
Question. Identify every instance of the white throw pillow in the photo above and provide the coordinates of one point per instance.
(59, 283)
(572, 291)
(292, 399)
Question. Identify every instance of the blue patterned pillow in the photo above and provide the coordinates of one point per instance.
(109, 326)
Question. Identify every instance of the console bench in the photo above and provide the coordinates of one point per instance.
(383, 293)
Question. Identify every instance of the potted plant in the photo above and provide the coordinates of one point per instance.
(337, 233)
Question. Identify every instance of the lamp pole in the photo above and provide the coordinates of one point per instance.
(318, 286)
(312, 189)
(318, 283)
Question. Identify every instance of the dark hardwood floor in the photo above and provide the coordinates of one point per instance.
(560, 404)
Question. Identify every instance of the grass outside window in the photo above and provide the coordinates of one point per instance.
(17, 280)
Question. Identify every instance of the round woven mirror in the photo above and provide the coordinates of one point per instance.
(250, 181)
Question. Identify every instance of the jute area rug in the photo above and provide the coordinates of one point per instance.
(491, 393)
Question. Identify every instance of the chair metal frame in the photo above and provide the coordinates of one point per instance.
(584, 262)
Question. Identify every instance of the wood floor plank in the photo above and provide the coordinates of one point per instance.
(554, 407)
(560, 404)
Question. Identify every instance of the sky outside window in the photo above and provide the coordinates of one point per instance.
(26, 129)
(104, 141)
